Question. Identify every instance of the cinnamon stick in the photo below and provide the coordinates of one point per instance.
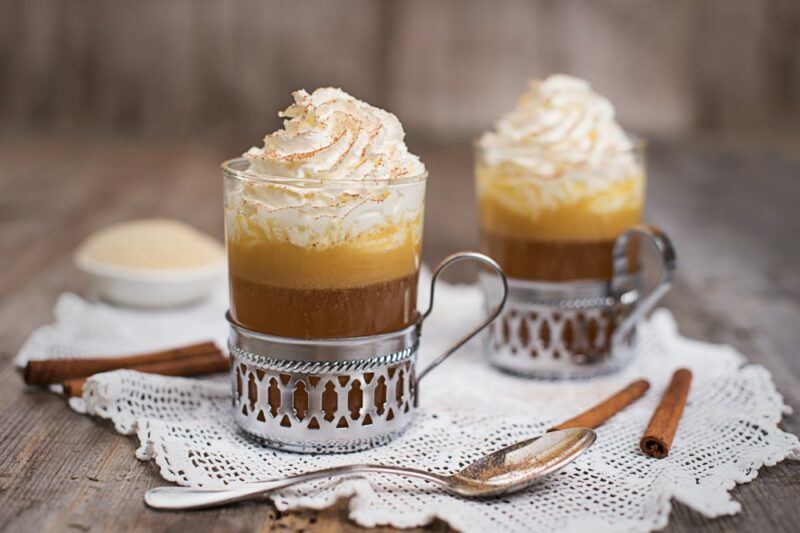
(48, 371)
(607, 408)
(661, 430)
(191, 366)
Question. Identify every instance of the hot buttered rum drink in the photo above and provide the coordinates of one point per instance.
(324, 223)
(558, 180)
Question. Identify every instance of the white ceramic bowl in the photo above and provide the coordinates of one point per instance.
(154, 288)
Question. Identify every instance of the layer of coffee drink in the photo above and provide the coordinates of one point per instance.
(324, 223)
(358, 288)
(558, 180)
(544, 260)
(311, 313)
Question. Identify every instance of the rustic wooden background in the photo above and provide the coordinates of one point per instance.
(118, 109)
(448, 68)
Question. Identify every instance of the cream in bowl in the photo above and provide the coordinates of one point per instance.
(151, 263)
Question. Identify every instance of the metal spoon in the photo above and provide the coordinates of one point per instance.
(507, 470)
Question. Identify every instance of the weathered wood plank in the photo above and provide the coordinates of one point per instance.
(447, 68)
(179, 65)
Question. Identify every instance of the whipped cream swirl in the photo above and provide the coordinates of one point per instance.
(346, 161)
(330, 135)
(559, 124)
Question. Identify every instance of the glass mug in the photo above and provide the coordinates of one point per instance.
(324, 323)
(569, 241)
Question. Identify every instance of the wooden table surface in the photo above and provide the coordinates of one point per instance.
(732, 209)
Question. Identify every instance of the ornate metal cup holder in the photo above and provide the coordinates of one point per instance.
(335, 395)
(557, 330)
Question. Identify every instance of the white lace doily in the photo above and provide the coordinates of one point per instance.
(728, 431)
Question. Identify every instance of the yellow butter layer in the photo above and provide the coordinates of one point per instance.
(527, 207)
(389, 253)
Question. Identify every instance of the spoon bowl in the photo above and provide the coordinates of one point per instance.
(516, 467)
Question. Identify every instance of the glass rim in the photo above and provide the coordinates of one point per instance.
(229, 170)
(638, 145)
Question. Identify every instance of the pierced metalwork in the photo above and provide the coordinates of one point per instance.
(569, 337)
(328, 408)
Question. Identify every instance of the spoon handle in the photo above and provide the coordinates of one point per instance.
(178, 498)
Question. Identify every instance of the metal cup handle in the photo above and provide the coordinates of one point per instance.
(448, 261)
(620, 272)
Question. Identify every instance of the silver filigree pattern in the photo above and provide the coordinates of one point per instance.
(333, 407)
